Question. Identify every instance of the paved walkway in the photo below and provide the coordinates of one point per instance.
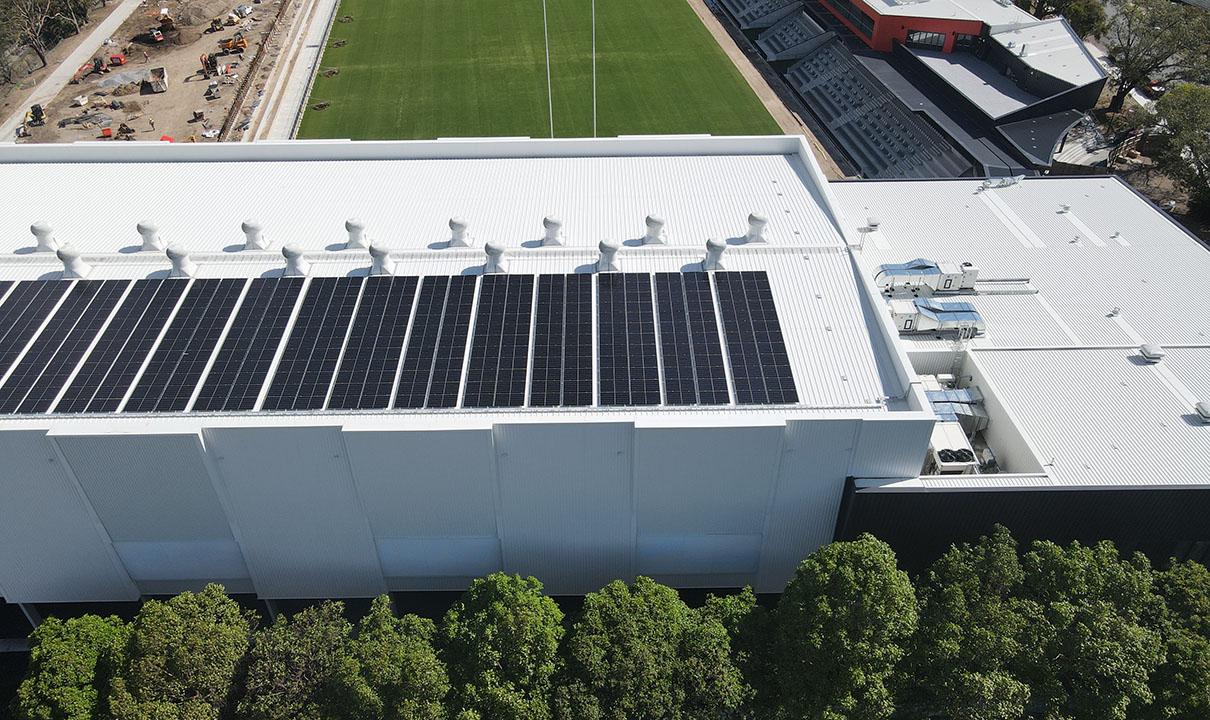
(788, 121)
(54, 83)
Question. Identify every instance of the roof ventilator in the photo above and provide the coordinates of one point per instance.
(45, 236)
(380, 260)
(496, 263)
(1151, 352)
(182, 266)
(714, 254)
(609, 256)
(296, 264)
(655, 230)
(73, 266)
(459, 237)
(357, 235)
(151, 236)
(1203, 411)
(1064, 209)
(756, 228)
(254, 236)
(552, 231)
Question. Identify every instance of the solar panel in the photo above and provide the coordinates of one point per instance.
(45, 367)
(500, 347)
(107, 372)
(562, 368)
(694, 373)
(367, 370)
(308, 363)
(760, 365)
(183, 353)
(242, 363)
(432, 364)
(629, 371)
(22, 314)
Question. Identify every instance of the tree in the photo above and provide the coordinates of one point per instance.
(29, 18)
(1183, 124)
(1156, 39)
(748, 627)
(641, 652)
(960, 665)
(300, 668)
(181, 658)
(406, 679)
(1181, 684)
(70, 664)
(1085, 610)
(500, 644)
(1087, 17)
(840, 629)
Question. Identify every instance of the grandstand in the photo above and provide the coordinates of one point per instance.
(759, 14)
(794, 37)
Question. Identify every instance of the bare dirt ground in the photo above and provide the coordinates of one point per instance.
(790, 123)
(170, 113)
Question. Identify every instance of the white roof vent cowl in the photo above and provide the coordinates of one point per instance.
(151, 236)
(608, 261)
(1203, 411)
(73, 266)
(357, 235)
(45, 236)
(714, 254)
(655, 230)
(458, 234)
(380, 260)
(296, 265)
(254, 235)
(756, 228)
(182, 266)
(872, 224)
(1151, 352)
(496, 262)
(552, 231)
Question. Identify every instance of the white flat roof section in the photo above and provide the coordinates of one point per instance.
(989, 89)
(989, 11)
(1052, 47)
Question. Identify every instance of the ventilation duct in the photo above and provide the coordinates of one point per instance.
(357, 235)
(756, 228)
(1151, 352)
(254, 236)
(714, 254)
(44, 235)
(496, 262)
(73, 266)
(1203, 411)
(608, 262)
(151, 236)
(296, 264)
(458, 235)
(182, 266)
(552, 231)
(655, 230)
(380, 260)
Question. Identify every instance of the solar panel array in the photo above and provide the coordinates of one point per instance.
(358, 343)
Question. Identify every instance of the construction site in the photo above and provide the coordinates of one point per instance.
(173, 70)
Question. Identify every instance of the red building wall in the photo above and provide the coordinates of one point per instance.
(889, 28)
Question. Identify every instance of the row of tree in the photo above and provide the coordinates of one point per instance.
(37, 25)
(987, 633)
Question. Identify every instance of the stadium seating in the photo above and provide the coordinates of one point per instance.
(757, 14)
(795, 36)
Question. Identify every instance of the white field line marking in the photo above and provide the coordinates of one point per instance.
(550, 98)
(594, 68)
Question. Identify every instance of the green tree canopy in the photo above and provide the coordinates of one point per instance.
(1181, 684)
(841, 626)
(500, 644)
(299, 667)
(181, 658)
(639, 651)
(70, 663)
(1183, 119)
(406, 679)
(1156, 40)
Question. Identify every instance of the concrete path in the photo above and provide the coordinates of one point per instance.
(54, 83)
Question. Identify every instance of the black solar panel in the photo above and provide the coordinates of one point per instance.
(629, 368)
(107, 372)
(500, 348)
(371, 358)
(22, 314)
(305, 372)
(432, 364)
(181, 357)
(694, 373)
(760, 364)
(562, 369)
(41, 373)
(242, 363)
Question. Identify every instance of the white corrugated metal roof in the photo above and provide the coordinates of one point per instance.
(1052, 47)
(989, 11)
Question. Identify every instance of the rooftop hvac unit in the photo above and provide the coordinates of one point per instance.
(921, 276)
(950, 453)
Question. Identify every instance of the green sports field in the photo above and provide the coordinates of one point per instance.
(458, 68)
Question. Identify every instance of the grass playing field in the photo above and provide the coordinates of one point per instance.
(450, 68)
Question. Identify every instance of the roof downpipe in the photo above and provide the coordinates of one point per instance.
(182, 265)
(380, 260)
(296, 264)
(357, 235)
(44, 236)
(552, 231)
(254, 236)
(458, 234)
(608, 262)
(496, 262)
(714, 254)
(73, 265)
(151, 236)
(655, 230)
(756, 228)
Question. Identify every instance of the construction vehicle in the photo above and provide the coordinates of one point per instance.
(36, 117)
(117, 59)
(157, 80)
(154, 35)
(167, 23)
(216, 25)
(236, 44)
